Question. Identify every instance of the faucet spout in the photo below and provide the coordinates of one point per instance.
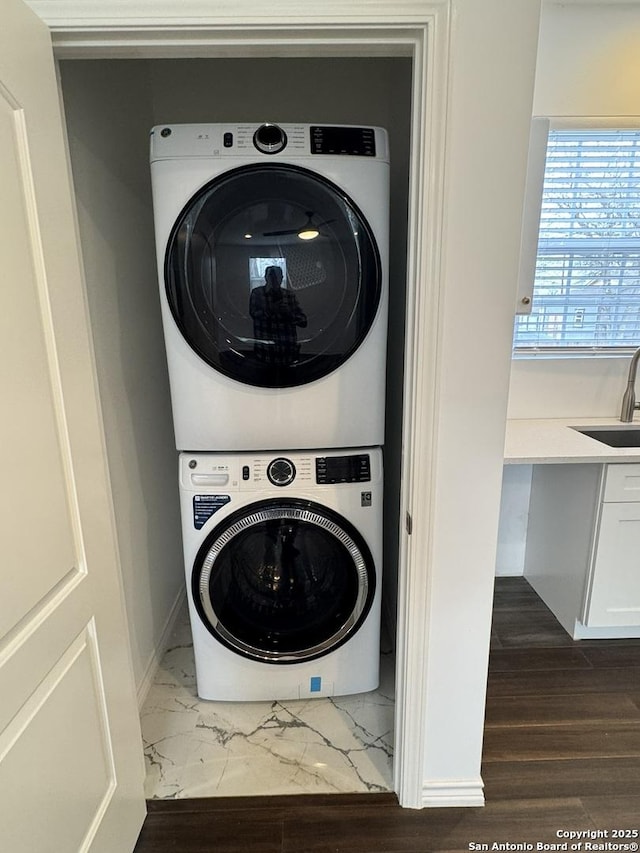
(629, 397)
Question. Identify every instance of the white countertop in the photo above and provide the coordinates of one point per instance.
(552, 441)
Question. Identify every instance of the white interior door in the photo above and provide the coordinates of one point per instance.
(71, 772)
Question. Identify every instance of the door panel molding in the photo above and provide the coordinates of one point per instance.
(79, 752)
(71, 767)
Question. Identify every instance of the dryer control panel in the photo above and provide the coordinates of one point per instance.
(268, 140)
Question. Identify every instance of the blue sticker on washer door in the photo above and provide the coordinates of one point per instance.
(204, 506)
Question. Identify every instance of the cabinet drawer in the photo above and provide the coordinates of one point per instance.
(622, 483)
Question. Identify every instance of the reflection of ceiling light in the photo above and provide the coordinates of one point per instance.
(308, 234)
(248, 236)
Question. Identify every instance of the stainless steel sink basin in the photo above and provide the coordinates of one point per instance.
(622, 436)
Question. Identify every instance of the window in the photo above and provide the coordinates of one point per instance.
(586, 293)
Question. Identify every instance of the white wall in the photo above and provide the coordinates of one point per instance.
(514, 519)
(492, 69)
(588, 59)
(588, 67)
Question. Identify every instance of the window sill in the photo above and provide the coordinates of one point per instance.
(566, 353)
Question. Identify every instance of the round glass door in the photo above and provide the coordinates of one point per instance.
(283, 581)
(272, 275)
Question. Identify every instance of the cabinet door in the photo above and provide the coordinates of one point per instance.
(614, 594)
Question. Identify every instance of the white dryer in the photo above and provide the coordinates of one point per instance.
(283, 568)
(272, 246)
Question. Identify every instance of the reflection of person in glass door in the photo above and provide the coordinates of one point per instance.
(276, 315)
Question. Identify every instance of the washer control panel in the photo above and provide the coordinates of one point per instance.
(220, 474)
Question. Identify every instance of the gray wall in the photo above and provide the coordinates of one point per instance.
(108, 111)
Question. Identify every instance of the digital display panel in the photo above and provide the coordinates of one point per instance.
(343, 469)
(343, 140)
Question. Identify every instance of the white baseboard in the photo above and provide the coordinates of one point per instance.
(453, 792)
(157, 655)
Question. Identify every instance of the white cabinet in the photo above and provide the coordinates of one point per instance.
(613, 589)
(583, 547)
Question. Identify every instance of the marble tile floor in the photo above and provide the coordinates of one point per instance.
(196, 748)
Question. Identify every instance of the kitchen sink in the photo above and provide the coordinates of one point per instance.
(621, 436)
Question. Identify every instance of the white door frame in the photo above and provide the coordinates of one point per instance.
(424, 37)
(453, 43)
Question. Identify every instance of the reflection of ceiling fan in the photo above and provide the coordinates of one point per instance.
(308, 231)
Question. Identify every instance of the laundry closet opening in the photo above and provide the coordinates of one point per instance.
(110, 106)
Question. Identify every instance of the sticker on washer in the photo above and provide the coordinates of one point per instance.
(204, 506)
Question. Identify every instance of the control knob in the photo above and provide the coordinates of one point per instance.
(281, 471)
(270, 139)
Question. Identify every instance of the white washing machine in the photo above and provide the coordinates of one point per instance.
(283, 561)
(272, 244)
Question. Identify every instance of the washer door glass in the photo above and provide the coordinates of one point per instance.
(272, 275)
(283, 581)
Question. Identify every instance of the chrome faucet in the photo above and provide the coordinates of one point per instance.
(629, 398)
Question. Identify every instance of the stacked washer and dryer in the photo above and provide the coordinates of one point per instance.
(272, 245)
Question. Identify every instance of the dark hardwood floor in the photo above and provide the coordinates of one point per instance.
(561, 754)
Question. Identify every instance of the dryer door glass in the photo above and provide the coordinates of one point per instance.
(283, 581)
(272, 275)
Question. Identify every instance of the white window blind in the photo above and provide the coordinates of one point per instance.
(587, 283)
